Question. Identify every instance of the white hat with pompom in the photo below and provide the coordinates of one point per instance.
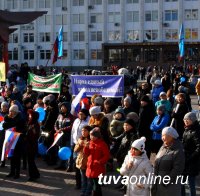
(139, 144)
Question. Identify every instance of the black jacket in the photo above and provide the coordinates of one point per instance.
(191, 144)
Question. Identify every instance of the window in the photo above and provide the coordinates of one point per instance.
(171, 34)
(113, 1)
(13, 55)
(27, 4)
(132, 1)
(151, 34)
(65, 54)
(44, 37)
(114, 17)
(132, 35)
(45, 20)
(133, 16)
(95, 54)
(65, 36)
(191, 14)
(79, 54)
(151, 1)
(78, 2)
(78, 19)
(114, 35)
(170, 0)
(151, 15)
(28, 37)
(11, 4)
(78, 36)
(28, 54)
(191, 33)
(61, 3)
(44, 3)
(171, 15)
(13, 38)
(114, 55)
(96, 36)
(45, 54)
(96, 18)
(61, 19)
(96, 2)
(133, 55)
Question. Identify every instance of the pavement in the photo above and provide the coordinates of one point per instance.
(53, 182)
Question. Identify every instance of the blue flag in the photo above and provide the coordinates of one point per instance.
(181, 42)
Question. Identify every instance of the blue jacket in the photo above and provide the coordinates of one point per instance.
(167, 104)
(157, 128)
(156, 92)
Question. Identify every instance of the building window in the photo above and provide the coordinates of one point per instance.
(151, 35)
(45, 54)
(171, 34)
(114, 55)
(96, 18)
(78, 2)
(65, 36)
(61, 19)
(44, 37)
(113, 1)
(114, 17)
(96, 2)
(95, 54)
(191, 33)
(45, 20)
(13, 38)
(151, 1)
(28, 54)
(171, 15)
(11, 4)
(79, 36)
(61, 3)
(151, 15)
(44, 3)
(13, 55)
(132, 35)
(28, 37)
(96, 36)
(114, 35)
(28, 4)
(191, 14)
(79, 54)
(133, 55)
(132, 1)
(133, 16)
(65, 54)
(78, 19)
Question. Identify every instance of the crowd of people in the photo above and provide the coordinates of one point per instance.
(155, 118)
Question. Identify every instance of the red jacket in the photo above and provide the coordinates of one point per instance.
(98, 155)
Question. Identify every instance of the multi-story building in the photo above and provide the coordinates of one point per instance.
(105, 32)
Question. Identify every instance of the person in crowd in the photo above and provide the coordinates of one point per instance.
(166, 83)
(178, 112)
(135, 104)
(163, 101)
(191, 145)
(176, 83)
(137, 163)
(192, 83)
(14, 119)
(81, 161)
(146, 117)
(156, 90)
(160, 121)
(155, 77)
(63, 124)
(98, 119)
(169, 162)
(197, 89)
(127, 105)
(143, 90)
(98, 154)
(109, 109)
(39, 102)
(185, 90)
(64, 95)
(99, 101)
(32, 136)
(170, 96)
(8, 95)
(30, 94)
(17, 94)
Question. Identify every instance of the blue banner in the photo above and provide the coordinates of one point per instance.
(107, 86)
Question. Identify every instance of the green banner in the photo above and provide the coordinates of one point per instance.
(49, 84)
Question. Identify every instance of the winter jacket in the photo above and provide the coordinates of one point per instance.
(158, 124)
(169, 161)
(141, 167)
(166, 103)
(98, 155)
(156, 92)
(191, 145)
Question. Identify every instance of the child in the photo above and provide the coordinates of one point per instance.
(137, 164)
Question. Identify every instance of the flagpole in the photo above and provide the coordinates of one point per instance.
(50, 56)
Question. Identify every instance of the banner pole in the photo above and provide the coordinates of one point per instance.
(50, 56)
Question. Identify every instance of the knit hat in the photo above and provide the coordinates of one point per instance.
(145, 98)
(95, 110)
(98, 100)
(127, 99)
(158, 82)
(120, 110)
(96, 132)
(171, 132)
(161, 108)
(109, 101)
(133, 116)
(191, 116)
(130, 122)
(85, 111)
(139, 144)
(14, 108)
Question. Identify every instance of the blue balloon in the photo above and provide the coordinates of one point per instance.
(42, 149)
(182, 79)
(64, 153)
(41, 112)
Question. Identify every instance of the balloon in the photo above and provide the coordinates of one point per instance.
(64, 153)
(42, 149)
(41, 112)
(182, 79)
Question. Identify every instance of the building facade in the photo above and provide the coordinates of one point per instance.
(106, 32)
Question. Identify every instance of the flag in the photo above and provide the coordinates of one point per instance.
(181, 42)
(75, 106)
(58, 46)
(57, 136)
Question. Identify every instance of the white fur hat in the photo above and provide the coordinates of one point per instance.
(139, 144)
(95, 110)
